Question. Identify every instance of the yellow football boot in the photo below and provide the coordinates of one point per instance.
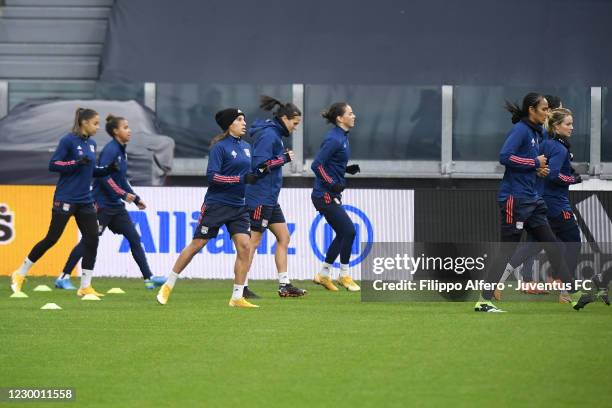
(348, 283)
(88, 291)
(325, 281)
(163, 294)
(242, 302)
(16, 282)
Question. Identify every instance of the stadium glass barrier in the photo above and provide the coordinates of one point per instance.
(480, 124)
(23, 90)
(186, 111)
(401, 131)
(605, 112)
(121, 91)
(397, 131)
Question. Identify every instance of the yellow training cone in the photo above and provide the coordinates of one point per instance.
(90, 297)
(116, 290)
(51, 306)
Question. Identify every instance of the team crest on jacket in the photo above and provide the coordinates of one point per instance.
(234, 154)
(247, 152)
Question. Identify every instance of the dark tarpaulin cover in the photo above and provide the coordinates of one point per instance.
(417, 42)
(30, 133)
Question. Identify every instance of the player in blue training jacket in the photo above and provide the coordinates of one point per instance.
(229, 170)
(109, 193)
(526, 250)
(556, 193)
(330, 166)
(262, 197)
(521, 206)
(74, 159)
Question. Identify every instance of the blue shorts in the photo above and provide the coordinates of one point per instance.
(519, 214)
(565, 224)
(264, 215)
(60, 207)
(213, 216)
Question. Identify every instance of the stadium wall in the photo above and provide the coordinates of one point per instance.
(167, 225)
(380, 215)
(474, 42)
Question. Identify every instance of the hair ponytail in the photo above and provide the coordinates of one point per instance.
(288, 109)
(81, 115)
(516, 112)
(268, 103)
(531, 100)
(332, 113)
(219, 137)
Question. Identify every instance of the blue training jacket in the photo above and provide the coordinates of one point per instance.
(268, 148)
(540, 180)
(110, 190)
(74, 184)
(556, 186)
(519, 154)
(229, 161)
(330, 164)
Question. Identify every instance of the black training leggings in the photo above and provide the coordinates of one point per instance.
(545, 237)
(85, 216)
(566, 231)
(119, 223)
(342, 225)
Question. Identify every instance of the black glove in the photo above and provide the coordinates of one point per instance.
(263, 169)
(113, 167)
(577, 179)
(337, 188)
(250, 178)
(353, 169)
(84, 161)
(287, 157)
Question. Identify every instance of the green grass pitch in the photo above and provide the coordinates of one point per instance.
(327, 349)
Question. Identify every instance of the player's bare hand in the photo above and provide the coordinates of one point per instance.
(543, 172)
(543, 160)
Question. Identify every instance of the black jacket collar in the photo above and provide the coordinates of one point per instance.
(537, 128)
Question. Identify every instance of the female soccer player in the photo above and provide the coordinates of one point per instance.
(74, 159)
(526, 251)
(229, 169)
(262, 197)
(330, 166)
(108, 193)
(520, 205)
(556, 187)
